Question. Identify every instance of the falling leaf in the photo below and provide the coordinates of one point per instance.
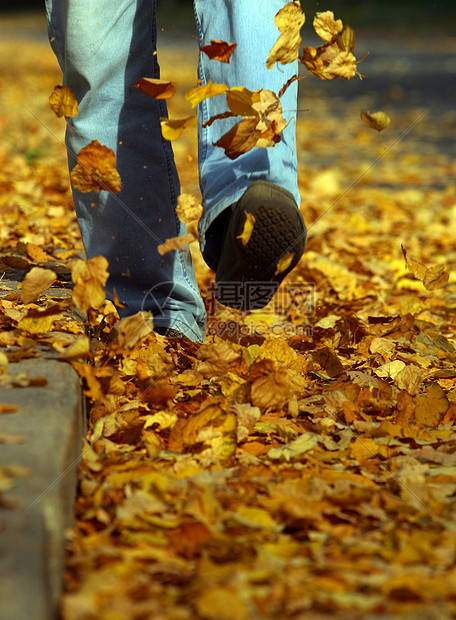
(89, 278)
(155, 88)
(288, 83)
(175, 243)
(376, 120)
(247, 229)
(199, 93)
(346, 39)
(96, 170)
(326, 26)
(35, 282)
(329, 62)
(433, 277)
(188, 208)
(219, 50)
(63, 102)
(78, 349)
(289, 20)
(333, 59)
(261, 126)
(132, 328)
(173, 128)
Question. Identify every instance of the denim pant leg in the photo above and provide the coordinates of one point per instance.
(103, 48)
(250, 24)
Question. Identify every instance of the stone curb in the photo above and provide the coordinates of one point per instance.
(41, 468)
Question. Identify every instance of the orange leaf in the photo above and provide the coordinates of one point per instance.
(219, 50)
(157, 89)
(96, 170)
(63, 101)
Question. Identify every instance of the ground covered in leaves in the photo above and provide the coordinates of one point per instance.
(301, 462)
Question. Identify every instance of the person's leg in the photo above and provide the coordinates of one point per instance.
(249, 24)
(103, 48)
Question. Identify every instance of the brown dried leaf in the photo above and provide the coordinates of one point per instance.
(155, 88)
(431, 407)
(35, 282)
(63, 101)
(271, 390)
(96, 170)
(219, 50)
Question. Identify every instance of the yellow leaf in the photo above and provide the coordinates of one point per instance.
(132, 328)
(294, 449)
(366, 448)
(188, 208)
(37, 325)
(221, 603)
(80, 348)
(89, 278)
(285, 50)
(96, 170)
(63, 102)
(376, 120)
(173, 128)
(248, 228)
(326, 26)
(155, 88)
(175, 243)
(284, 262)
(199, 93)
(35, 282)
(255, 517)
(431, 407)
(290, 17)
(289, 21)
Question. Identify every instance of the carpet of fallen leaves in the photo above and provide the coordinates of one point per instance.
(301, 464)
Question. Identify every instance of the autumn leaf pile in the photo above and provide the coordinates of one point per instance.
(298, 464)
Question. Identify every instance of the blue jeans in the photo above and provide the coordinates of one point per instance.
(103, 47)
